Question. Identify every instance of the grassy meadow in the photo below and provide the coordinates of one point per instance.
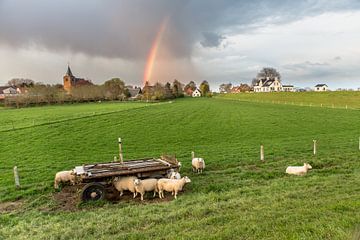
(337, 99)
(237, 197)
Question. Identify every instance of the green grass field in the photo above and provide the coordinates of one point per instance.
(237, 197)
(315, 99)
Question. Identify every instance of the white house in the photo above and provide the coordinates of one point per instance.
(268, 85)
(196, 93)
(288, 88)
(321, 88)
(7, 92)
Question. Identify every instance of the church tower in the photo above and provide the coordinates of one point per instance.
(68, 79)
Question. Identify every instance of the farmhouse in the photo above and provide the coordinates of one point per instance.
(321, 88)
(196, 93)
(70, 81)
(7, 91)
(268, 85)
(288, 88)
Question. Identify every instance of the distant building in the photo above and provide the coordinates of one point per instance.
(70, 81)
(189, 91)
(321, 88)
(135, 92)
(196, 93)
(7, 91)
(268, 85)
(288, 88)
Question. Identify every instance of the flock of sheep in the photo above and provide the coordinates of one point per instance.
(173, 183)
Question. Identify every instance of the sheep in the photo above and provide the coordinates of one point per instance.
(147, 185)
(296, 170)
(125, 183)
(63, 177)
(198, 164)
(171, 185)
(175, 175)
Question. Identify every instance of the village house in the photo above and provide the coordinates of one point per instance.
(288, 88)
(135, 92)
(196, 93)
(321, 88)
(268, 85)
(70, 81)
(7, 91)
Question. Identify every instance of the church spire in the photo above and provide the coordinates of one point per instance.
(68, 72)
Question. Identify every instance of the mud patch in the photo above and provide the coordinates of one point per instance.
(6, 207)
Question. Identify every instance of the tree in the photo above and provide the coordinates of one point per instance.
(190, 87)
(177, 89)
(115, 89)
(204, 88)
(168, 92)
(159, 92)
(225, 87)
(268, 73)
(21, 82)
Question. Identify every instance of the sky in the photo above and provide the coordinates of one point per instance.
(308, 42)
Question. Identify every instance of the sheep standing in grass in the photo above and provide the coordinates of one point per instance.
(171, 185)
(297, 170)
(175, 175)
(125, 183)
(198, 164)
(64, 177)
(172, 174)
(147, 185)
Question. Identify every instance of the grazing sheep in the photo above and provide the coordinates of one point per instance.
(171, 185)
(169, 172)
(175, 175)
(147, 185)
(198, 164)
(125, 183)
(63, 177)
(296, 170)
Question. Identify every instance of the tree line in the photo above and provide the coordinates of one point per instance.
(36, 94)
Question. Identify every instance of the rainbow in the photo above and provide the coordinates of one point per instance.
(153, 51)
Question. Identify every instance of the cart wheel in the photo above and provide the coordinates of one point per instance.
(93, 192)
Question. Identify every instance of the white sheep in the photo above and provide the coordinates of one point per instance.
(171, 185)
(146, 185)
(198, 164)
(125, 183)
(297, 170)
(175, 175)
(63, 177)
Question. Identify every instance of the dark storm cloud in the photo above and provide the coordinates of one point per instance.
(212, 39)
(126, 29)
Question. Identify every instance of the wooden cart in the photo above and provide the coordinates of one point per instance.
(97, 178)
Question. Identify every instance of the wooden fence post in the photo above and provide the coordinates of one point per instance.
(16, 177)
(262, 158)
(120, 151)
(314, 147)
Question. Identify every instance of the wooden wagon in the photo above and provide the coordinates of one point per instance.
(97, 178)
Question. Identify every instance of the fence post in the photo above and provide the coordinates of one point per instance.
(262, 153)
(120, 151)
(16, 177)
(314, 147)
